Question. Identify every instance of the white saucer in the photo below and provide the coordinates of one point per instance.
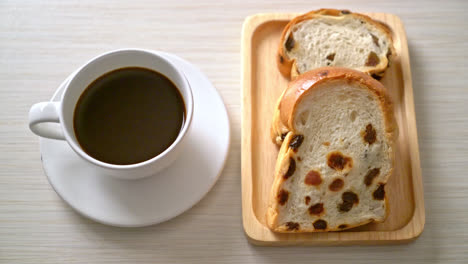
(152, 200)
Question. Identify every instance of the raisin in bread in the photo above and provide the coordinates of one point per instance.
(336, 154)
(329, 37)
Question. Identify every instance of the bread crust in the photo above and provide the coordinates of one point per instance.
(283, 118)
(288, 67)
(278, 130)
(281, 167)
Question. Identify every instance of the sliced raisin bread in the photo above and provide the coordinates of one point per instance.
(336, 155)
(329, 37)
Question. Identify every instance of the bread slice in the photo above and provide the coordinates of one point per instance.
(330, 37)
(336, 155)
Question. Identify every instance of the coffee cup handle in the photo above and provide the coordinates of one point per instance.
(42, 117)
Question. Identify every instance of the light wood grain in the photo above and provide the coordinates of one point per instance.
(41, 42)
(262, 84)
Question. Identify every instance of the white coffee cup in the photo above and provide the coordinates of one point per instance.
(41, 115)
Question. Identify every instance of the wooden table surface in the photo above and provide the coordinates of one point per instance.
(42, 42)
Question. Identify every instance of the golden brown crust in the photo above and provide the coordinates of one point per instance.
(288, 67)
(284, 114)
(284, 229)
(277, 130)
(282, 164)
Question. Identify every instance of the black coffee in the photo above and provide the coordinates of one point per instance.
(128, 116)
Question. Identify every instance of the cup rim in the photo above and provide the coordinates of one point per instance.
(187, 122)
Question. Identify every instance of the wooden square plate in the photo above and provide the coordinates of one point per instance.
(262, 85)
